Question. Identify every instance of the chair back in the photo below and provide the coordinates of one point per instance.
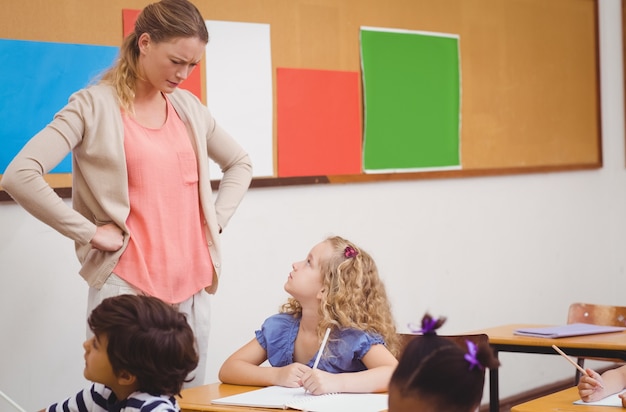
(604, 315)
(478, 339)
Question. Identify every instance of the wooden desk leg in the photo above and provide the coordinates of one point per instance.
(494, 395)
(581, 363)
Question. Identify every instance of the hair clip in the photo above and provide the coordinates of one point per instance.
(470, 356)
(350, 252)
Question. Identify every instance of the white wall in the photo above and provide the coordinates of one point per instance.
(482, 251)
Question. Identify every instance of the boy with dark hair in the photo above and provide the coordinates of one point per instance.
(139, 358)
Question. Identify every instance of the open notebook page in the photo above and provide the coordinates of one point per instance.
(278, 397)
(612, 400)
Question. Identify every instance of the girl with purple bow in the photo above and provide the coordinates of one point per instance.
(436, 374)
(336, 287)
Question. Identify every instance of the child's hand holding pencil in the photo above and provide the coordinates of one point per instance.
(591, 385)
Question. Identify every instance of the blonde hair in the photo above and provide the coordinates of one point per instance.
(354, 295)
(163, 21)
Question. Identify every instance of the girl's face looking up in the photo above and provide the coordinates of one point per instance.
(305, 279)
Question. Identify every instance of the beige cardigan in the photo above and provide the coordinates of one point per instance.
(90, 126)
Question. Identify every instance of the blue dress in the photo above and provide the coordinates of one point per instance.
(344, 350)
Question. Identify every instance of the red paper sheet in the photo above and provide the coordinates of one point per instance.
(319, 122)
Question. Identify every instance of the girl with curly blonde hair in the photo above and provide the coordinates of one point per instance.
(336, 288)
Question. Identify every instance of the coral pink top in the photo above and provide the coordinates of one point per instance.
(168, 255)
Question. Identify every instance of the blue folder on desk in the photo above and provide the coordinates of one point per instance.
(563, 331)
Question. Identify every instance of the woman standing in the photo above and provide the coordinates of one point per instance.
(144, 219)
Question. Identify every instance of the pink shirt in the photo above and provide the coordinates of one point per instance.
(167, 255)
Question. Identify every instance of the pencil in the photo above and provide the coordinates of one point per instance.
(577, 366)
(12, 402)
(322, 346)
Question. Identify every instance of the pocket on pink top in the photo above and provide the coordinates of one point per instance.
(188, 167)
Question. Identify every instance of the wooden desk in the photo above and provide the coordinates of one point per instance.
(198, 399)
(502, 339)
(562, 401)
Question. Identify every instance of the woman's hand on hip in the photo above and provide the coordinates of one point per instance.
(108, 238)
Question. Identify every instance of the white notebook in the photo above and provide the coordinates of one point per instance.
(563, 331)
(278, 397)
(611, 400)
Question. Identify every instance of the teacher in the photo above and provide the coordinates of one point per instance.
(143, 216)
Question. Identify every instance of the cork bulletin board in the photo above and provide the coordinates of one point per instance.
(528, 76)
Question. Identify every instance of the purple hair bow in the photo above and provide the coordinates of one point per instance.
(470, 356)
(429, 326)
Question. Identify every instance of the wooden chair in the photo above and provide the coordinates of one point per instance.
(604, 315)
